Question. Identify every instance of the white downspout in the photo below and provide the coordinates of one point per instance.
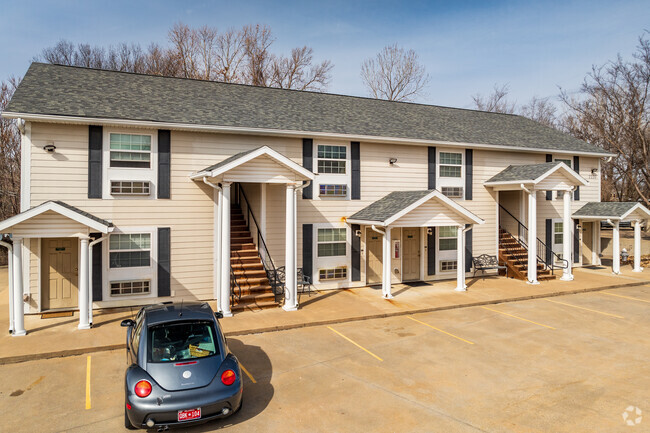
(616, 247)
(10, 271)
(216, 242)
(90, 277)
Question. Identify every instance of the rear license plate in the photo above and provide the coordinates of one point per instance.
(186, 415)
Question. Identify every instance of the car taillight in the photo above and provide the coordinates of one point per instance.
(228, 377)
(142, 388)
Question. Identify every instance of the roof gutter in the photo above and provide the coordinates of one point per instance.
(282, 132)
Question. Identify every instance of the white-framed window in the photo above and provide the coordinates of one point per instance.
(132, 287)
(452, 191)
(558, 232)
(130, 150)
(340, 273)
(129, 250)
(447, 238)
(566, 161)
(332, 242)
(451, 164)
(331, 190)
(331, 159)
(448, 265)
(128, 187)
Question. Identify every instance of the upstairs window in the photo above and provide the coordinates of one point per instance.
(451, 164)
(130, 250)
(333, 190)
(332, 242)
(566, 161)
(332, 159)
(130, 150)
(453, 191)
(122, 187)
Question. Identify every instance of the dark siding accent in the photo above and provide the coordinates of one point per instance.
(308, 163)
(356, 253)
(469, 173)
(164, 261)
(96, 282)
(164, 161)
(431, 251)
(549, 239)
(549, 194)
(95, 137)
(468, 249)
(576, 242)
(576, 168)
(307, 250)
(432, 170)
(355, 155)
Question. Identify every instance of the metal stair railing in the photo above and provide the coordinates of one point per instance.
(543, 252)
(235, 288)
(265, 256)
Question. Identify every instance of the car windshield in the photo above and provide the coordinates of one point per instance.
(178, 341)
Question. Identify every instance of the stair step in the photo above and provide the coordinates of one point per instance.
(254, 307)
(252, 281)
(239, 233)
(249, 273)
(249, 290)
(242, 241)
(255, 297)
(253, 265)
(246, 260)
(244, 253)
(243, 247)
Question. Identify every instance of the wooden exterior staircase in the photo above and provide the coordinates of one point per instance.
(248, 275)
(515, 256)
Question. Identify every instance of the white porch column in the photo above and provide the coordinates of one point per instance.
(460, 265)
(224, 202)
(532, 237)
(291, 290)
(19, 309)
(387, 265)
(83, 285)
(637, 247)
(566, 237)
(218, 215)
(616, 249)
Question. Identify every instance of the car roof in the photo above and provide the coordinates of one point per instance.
(175, 311)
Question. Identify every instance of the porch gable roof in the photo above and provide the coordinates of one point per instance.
(534, 174)
(610, 210)
(63, 209)
(395, 205)
(241, 158)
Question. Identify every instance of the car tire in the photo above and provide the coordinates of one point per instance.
(127, 421)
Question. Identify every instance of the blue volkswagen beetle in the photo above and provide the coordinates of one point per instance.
(180, 370)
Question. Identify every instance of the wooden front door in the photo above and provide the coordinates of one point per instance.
(588, 240)
(411, 251)
(59, 273)
(375, 259)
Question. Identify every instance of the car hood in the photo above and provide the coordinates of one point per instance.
(182, 375)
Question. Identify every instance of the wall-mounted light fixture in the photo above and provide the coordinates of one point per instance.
(594, 171)
(392, 161)
(429, 231)
(49, 147)
(357, 233)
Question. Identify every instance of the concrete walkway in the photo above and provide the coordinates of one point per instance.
(58, 337)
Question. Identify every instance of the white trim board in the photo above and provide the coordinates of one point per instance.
(53, 206)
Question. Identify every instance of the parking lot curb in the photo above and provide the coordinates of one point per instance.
(86, 350)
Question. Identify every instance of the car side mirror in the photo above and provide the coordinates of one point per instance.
(126, 323)
(218, 315)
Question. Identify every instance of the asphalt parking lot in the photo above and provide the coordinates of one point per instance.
(567, 363)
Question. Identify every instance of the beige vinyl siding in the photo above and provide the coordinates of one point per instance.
(437, 214)
(50, 225)
(34, 246)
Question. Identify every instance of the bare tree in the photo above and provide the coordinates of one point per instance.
(258, 39)
(394, 74)
(185, 45)
(541, 110)
(613, 111)
(296, 72)
(9, 156)
(231, 51)
(495, 102)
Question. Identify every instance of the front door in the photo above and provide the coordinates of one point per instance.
(375, 260)
(588, 240)
(60, 272)
(411, 257)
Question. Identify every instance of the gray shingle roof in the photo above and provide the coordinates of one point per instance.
(523, 173)
(81, 212)
(605, 209)
(72, 91)
(229, 160)
(386, 207)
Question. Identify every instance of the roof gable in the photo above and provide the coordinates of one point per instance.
(63, 209)
(611, 210)
(535, 173)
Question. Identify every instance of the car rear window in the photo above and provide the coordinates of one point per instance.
(178, 341)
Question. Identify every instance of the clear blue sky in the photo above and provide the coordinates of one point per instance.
(466, 46)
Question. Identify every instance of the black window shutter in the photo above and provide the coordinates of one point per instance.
(469, 173)
(97, 268)
(164, 261)
(576, 242)
(356, 253)
(549, 194)
(95, 136)
(307, 250)
(356, 170)
(308, 163)
(468, 249)
(549, 239)
(164, 160)
(431, 250)
(576, 168)
(432, 171)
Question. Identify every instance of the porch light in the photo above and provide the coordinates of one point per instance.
(357, 233)
(392, 161)
(49, 147)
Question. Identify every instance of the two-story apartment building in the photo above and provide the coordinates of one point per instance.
(137, 189)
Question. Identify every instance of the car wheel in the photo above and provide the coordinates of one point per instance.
(127, 421)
